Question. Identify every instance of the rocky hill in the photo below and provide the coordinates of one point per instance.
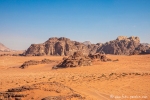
(3, 48)
(87, 42)
(122, 46)
(146, 44)
(64, 47)
(60, 46)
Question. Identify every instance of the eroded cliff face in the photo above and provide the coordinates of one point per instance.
(59, 46)
(65, 47)
(121, 46)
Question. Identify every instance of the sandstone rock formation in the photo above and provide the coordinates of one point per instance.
(123, 46)
(24, 92)
(99, 56)
(66, 47)
(75, 60)
(78, 59)
(87, 42)
(34, 62)
(59, 46)
(146, 44)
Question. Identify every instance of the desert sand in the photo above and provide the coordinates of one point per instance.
(126, 79)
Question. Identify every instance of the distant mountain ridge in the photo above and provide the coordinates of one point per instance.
(146, 44)
(4, 48)
(87, 42)
(64, 47)
(60, 46)
(125, 46)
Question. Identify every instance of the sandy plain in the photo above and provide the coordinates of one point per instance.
(126, 79)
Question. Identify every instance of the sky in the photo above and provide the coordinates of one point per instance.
(24, 22)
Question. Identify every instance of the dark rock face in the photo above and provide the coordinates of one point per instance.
(78, 59)
(34, 62)
(11, 96)
(23, 92)
(69, 97)
(20, 89)
(54, 98)
(65, 47)
(59, 46)
(146, 44)
(87, 42)
(99, 56)
(123, 46)
(75, 60)
(142, 49)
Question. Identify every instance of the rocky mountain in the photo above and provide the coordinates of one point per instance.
(87, 42)
(146, 44)
(64, 47)
(121, 46)
(60, 46)
(4, 48)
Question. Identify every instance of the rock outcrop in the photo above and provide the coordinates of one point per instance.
(78, 59)
(87, 42)
(146, 44)
(62, 92)
(66, 47)
(123, 46)
(59, 46)
(99, 56)
(75, 60)
(34, 62)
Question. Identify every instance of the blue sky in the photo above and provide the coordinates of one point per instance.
(23, 22)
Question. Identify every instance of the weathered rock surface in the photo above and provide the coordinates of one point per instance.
(54, 98)
(78, 59)
(20, 93)
(68, 97)
(87, 42)
(99, 56)
(34, 62)
(123, 46)
(11, 95)
(146, 44)
(21, 89)
(66, 47)
(75, 60)
(59, 46)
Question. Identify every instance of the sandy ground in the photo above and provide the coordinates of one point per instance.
(126, 79)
